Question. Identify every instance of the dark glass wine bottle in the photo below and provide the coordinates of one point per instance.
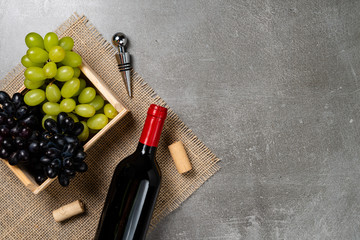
(135, 185)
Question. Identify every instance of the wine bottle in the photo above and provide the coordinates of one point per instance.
(135, 186)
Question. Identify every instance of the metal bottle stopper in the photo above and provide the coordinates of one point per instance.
(119, 40)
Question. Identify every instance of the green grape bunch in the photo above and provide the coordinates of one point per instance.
(49, 58)
(52, 76)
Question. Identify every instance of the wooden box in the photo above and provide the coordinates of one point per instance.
(108, 95)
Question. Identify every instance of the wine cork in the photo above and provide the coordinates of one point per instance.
(181, 160)
(68, 211)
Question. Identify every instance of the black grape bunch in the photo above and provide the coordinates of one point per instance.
(63, 154)
(19, 128)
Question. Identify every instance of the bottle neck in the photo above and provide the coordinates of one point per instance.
(150, 135)
(146, 150)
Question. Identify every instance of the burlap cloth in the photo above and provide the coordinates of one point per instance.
(24, 215)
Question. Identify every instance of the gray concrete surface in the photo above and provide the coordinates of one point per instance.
(272, 87)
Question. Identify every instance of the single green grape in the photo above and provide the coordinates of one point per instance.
(47, 117)
(85, 133)
(70, 88)
(50, 70)
(57, 54)
(26, 62)
(51, 108)
(33, 85)
(67, 43)
(50, 40)
(110, 111)
(77, 72)
(85, 110)
(64, 73)
(35, 74)
(52, 93)
(74, 117)
(34, 40)
(93, 131)
(97, 103)
(34, 97)
(67, 105)
(72, 59)
(97, 121)
(37, 55)
(87, 95)
(82, 86)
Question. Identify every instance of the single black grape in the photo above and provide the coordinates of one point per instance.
(21, 112)
(60, 119)
(34, 146)
(8, 143)
(14, 131)
(63, 179)
(4, 131)
(68, 125)
(46, 136)
(30, 121)
(23, 155)
(51, 144)
(43, 145)
(67, 162)
(45, 160)
(13, 159)
(50, 172)
(78, 129)
(59, 140)
(4, 154)
(51, 126)
(10, 122)
(83, 167)
(20, 142)
(35, 135)
(70, 173)
(9, 108)
(53, 153)
(3, 118)
(69, 150)
(40, 178)
(25, 132)
(56, 163)
(80, 155)
(17, 100)
(4, 97)
(71, 139)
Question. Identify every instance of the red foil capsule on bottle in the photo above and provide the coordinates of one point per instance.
(153, 126)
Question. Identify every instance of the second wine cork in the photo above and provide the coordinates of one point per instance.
(180, 157)
(68, 211)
